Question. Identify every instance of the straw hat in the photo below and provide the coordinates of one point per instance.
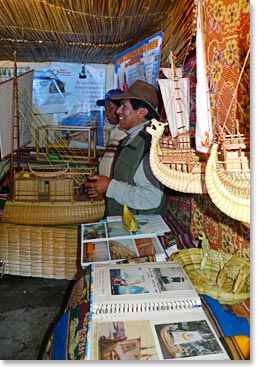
(143, 91)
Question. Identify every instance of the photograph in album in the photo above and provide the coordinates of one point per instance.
(133, 340)
(148, 311)
(132, 281)
(110, 242)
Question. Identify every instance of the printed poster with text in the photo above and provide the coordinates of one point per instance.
(141, 61)
(64, 93)
(70, 91)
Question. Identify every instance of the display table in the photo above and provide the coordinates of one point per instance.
(68, 338)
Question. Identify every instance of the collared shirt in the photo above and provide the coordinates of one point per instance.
(147, 192)
(113, 134)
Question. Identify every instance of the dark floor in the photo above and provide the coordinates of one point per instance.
(28, 309)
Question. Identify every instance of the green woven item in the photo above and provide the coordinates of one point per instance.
(221, 276)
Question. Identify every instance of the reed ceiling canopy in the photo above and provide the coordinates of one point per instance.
(91, 31)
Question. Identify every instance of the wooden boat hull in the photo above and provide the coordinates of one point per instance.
(53, 213)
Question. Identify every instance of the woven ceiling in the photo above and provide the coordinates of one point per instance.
(92, 31)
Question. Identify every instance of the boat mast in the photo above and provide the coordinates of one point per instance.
(15, 135)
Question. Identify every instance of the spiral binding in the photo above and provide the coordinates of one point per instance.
(120, 308)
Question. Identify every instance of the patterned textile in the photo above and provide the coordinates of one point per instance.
(227, 43)
(183, 240)
(222, 232)
(226, 322)
(81, 290)
(242, 310)
(233, 331)
(179, 207)
(68, 339)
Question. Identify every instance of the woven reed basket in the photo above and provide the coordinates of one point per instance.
(53, 213)
(229, 284)
(40, 251)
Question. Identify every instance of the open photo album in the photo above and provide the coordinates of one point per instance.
(148, 311)
(108, 241)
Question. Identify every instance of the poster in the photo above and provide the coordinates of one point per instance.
(141, 61)
(65, 93)
(70, 91)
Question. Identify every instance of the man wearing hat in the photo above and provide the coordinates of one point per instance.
(132, 181)
(113, 133)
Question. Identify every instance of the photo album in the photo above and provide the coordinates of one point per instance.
(108, 241)
(148, 311)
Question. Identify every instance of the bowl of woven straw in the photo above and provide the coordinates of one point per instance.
(224, 277)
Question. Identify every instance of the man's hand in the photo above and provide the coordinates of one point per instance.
(97, 185)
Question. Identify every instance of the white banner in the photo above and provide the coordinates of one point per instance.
(203, 133)
(6, 112)
(66, 92)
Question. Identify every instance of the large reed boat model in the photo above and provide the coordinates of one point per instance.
(219, 163)
(46, 187)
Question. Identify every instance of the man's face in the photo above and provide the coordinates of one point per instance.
(110, 111)
(128, 117)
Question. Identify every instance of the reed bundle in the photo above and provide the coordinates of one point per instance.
(55, 213)
(38, 251)
(89, 31)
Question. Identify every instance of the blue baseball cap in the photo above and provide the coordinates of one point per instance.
(111, 92)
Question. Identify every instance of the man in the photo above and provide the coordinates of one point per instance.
(132, 181)
(113, 133)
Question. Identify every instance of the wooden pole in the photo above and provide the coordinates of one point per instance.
(15, 132)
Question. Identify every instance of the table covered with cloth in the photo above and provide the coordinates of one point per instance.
(68, 337)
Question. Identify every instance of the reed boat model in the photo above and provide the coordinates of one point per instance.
(229, 189)
(178, 169)
(48, 188)
(214, 158)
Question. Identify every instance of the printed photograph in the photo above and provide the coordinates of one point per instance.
(148, 246)
(116, 229)
(128, 340)
(94, 251)
(123, 248)
(128, 282)
(186, 339)
(172, 279)
(93, 230)
(144, 227)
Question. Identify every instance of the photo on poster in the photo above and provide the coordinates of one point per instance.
(140, 62)
(144, 226)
